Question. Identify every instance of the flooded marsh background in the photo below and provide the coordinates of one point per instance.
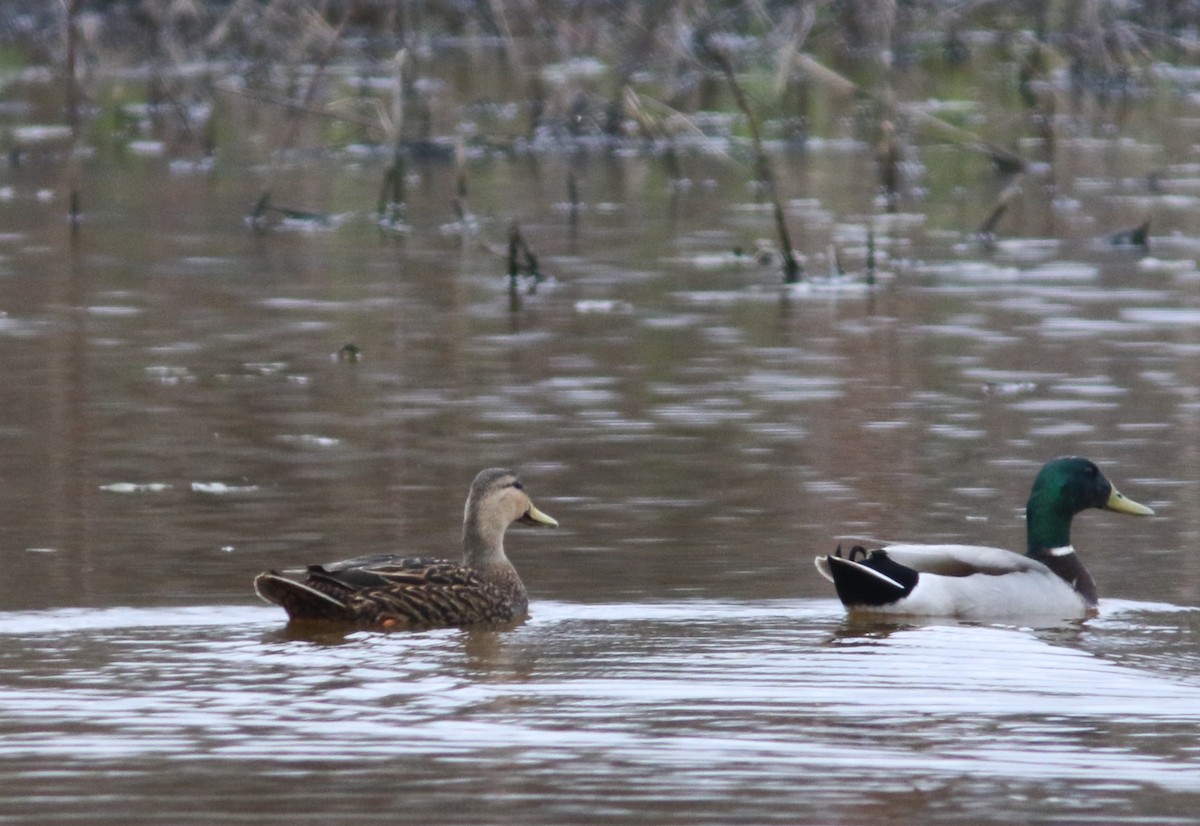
(241, 190)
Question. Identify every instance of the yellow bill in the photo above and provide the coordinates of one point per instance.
(533, 516)
(1117, 502)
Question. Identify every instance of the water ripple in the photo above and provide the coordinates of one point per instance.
(632, 700)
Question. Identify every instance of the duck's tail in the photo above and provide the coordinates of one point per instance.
(866, 578)
(302, 602)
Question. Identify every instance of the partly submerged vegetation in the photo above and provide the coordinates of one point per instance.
(747, 81)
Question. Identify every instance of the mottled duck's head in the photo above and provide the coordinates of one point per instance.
(497, 499)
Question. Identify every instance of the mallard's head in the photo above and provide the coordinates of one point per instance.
(1072, 484)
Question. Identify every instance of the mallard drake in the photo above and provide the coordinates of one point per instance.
(387, 591)
(976, 582)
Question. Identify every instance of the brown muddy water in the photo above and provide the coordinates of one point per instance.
(174, 422)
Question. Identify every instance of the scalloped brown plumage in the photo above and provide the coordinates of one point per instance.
(392, 591)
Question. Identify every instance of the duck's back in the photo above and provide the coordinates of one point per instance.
(396, 592)
(970, 582)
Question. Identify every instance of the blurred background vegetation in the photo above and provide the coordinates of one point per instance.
(461, 79)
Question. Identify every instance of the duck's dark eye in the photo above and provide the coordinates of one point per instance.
(517, 485)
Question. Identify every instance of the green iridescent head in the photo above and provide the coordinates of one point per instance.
(1063, 488)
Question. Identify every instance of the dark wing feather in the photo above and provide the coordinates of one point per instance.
(869, 577)
(376, 571)
(303, 602)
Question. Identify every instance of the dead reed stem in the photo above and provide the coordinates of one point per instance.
(791, 267)
(391, 195)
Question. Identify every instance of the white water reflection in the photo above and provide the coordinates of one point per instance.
(643, 698)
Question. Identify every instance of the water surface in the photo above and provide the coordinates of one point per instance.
(702, 711)
(176, 422)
